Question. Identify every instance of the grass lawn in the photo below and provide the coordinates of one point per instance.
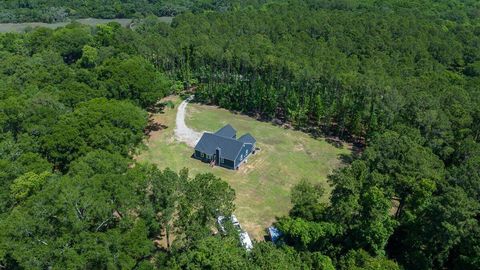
(20, 27)
(262, 185)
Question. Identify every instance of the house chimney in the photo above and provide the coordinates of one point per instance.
(218, 152)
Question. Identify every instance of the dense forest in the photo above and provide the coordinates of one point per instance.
(400, 78)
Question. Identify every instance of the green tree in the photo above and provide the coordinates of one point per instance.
(12, 115)
(375, 225)
(166, 192)
(89, 56)
(70, 41)
(266, 255)
(307, 201)
(77, 222)
(412, 172)
(308, 235)
(27, 184)
(361, 260)
(114, 126)
(439, 229)
(134, 79)
(204, 198)
(99, 162)
(211, 253)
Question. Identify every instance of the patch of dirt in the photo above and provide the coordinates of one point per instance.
(169, 98)
(255, 162)
(299, 148)
(161, 240)
(256, 231)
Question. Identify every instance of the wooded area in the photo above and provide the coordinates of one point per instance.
(401, 78)
(57, 11)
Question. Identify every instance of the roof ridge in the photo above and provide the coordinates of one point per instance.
(231, 147)
(228, 138)
(223, 137)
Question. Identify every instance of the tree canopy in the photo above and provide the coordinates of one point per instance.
(400, 80)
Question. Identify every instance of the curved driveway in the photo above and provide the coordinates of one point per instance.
(182, 132)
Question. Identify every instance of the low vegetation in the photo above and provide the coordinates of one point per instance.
(22, 27)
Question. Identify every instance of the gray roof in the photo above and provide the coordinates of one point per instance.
(247, 138)
(227, 131)
(210, 142)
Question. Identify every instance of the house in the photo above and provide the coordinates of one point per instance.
(222, 148)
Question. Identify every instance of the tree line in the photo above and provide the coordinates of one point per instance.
(347, 73)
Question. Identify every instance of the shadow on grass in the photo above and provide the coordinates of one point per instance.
(333, 135)
(152, 126)
(159, 107)
(346, 159)
(354, 155)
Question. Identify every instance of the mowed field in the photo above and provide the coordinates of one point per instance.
(262, 185)
(21, 27)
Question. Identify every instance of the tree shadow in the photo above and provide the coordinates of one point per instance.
(335, 141)
(153, 126)
(332, 134)
(353, 155)
(346, 158)
(159, 108)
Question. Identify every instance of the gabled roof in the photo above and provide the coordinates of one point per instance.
(247, 138)
(227, 131)
(209, 142)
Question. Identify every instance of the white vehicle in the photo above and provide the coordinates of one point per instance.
(221, 228)
(245, 240)
(235, 222)
(221, 221)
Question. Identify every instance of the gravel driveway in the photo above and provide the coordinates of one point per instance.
(182, 132)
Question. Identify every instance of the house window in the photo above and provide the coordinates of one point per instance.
(241, 157)
(203, 155)
(221, 160)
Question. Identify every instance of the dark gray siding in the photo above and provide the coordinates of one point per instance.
(202, 156)
(223, 162)
(227, 164)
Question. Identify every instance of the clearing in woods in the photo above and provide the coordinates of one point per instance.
(21, 27)
(262, 186)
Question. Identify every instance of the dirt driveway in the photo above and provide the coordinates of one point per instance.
(182, 132)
